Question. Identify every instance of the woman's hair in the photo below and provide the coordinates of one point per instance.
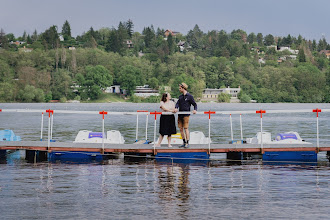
(164, 96)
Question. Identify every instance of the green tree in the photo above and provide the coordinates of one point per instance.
(129, 78)
(66, 30)
(260, 39)
(129, 27)
(223, 97)
(269, 40)
(301, 55)
(51, 37)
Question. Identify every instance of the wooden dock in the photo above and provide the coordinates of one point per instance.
(149, 148)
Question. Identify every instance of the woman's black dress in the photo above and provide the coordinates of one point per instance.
(167, 125)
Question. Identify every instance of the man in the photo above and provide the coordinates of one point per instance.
(184, 103)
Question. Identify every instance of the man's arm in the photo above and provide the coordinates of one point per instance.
(192, 101)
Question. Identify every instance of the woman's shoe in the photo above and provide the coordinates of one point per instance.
(170, 146)
(157, 145)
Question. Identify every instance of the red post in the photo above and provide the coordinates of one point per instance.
(103, 113)
(209, 113)
(317, 111)
(260, 112)
(50, 112)
(155, 113)
(0, 110)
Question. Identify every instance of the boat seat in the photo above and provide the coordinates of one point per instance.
(114, 137)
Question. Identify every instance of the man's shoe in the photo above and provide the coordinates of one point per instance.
(186, 146)
(182, 146)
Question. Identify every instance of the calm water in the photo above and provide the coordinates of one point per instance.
(149, 189)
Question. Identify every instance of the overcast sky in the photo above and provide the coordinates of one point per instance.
(310, 18)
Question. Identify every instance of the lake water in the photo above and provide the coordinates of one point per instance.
(150, 189)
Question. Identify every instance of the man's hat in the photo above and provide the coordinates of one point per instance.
(183, 85)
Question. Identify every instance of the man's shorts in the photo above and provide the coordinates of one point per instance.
(183, 122)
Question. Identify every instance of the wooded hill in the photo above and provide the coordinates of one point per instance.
(55, 65)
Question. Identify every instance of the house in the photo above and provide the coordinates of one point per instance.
(145, 91)
(25, 50)
(326, 53)
(289, 49)
(129, 43)
(114, 89)
(212, 94)
(17, 42)
(181, 45)
(168, 32)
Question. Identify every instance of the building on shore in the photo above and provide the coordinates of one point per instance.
(145, 91)
(212, 94)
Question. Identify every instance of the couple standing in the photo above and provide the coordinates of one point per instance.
(167, 122)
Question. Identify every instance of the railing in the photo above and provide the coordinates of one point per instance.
(155, 113)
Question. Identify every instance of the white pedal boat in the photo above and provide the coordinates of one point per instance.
(112, 137)
(291, 137)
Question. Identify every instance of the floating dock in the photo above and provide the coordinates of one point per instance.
(47, 148)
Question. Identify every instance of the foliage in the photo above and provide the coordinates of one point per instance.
(223, 97)
(215, 59)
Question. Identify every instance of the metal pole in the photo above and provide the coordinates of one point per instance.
(51, 128)
(137, 127)
(317, 132)
(42, 125)
(231, 130)
(147, 128)
(240, 120)
(48, 144)
(103, 133)
(261, 133)
(209, 135)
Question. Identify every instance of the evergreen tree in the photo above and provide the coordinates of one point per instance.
(269, 40)
(252, 38)
(260, 39)
(223, 38)
(51, 37)
(301, 55)
(3, 39)
(113, 43)
(149, 36)
(129, 27)
(66, 30)
(34, 37)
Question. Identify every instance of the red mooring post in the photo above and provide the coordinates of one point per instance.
(103, 113)
(209, 113)
(155, 113)
(260, 112)
(317, 128)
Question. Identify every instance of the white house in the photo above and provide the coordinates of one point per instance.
(145, 91)
(212, 94)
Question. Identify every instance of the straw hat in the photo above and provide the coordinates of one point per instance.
(183, 85)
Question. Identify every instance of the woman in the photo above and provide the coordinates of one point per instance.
(167, 122)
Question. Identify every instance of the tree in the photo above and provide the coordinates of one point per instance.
(66, 30)
(223, 97)
(149, 36)
(260, 39)
(129, 27)
(113, 43)
(252, 38)
(301, 55)
(3, 39)
(51, 37)
(269, 40)
(129, 78)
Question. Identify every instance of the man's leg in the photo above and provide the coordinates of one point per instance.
(186, 130)
(183, 134)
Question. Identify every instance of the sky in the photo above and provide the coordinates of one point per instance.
(309, 18)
